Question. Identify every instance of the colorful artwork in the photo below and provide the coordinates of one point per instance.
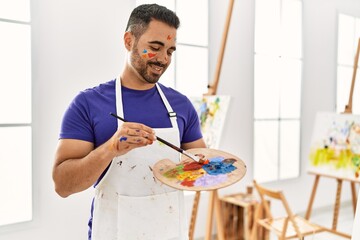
(217, 172)
(212, 113)
(335, 147)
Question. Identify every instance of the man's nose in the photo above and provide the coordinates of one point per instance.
(162, 58)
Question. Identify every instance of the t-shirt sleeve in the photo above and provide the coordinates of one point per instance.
(76, 122)
(192, 130)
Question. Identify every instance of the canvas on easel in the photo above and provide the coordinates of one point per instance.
(335, 152)
(335, 145)
(212, 111)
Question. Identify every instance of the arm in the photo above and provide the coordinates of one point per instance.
(195, 144)
(78, 165)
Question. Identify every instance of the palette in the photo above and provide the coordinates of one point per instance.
(223, 169)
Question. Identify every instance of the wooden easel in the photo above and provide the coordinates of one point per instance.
(348, 107)
(214, 203)
(348, 110)
(339, 181)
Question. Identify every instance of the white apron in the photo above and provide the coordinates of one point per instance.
(130, 204)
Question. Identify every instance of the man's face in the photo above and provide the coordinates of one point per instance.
(151, 55)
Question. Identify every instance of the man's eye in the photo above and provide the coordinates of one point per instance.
(154, 48)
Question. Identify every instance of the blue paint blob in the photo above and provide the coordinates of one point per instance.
(216, 168)
(216, 159)
(122, 139)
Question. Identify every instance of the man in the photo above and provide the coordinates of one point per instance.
(117, 157)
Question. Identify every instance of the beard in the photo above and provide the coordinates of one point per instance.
(141, 66)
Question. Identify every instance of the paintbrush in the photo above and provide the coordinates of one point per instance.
(197, 159)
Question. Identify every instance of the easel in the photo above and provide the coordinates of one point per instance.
(348, 110)
(214, 203)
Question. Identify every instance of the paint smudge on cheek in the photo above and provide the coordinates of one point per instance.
(144, 53)
(151, 55)
(147, 54)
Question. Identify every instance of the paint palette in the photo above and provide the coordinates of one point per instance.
(222, 170)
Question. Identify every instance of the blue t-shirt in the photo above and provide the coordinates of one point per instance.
(88, 116)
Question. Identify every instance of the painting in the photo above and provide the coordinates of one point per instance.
(220, 169)
(212, 112)
(335, 145)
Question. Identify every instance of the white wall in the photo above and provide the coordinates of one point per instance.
(77, 44)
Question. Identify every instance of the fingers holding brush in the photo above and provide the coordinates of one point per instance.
(150, 136)
(132, 135)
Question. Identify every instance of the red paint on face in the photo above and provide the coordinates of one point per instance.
(151, 55)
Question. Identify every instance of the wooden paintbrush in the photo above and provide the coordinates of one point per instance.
(197, 159)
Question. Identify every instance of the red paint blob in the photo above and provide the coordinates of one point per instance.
(192, 166)
(188, 183)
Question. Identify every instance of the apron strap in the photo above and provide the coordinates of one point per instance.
(171, 113)
(120, 112)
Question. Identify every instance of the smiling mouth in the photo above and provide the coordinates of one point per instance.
(156, 68)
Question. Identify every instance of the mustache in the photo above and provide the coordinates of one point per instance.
(158, 64)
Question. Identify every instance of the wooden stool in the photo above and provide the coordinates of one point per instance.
(238, 216)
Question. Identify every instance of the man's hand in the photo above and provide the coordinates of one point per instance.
(130, 136)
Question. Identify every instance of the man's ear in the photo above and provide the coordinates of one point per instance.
(128, 40)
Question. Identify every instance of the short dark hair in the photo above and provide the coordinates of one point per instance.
(142, 15)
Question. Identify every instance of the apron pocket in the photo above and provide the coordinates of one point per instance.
(154, 217)
(104, 219)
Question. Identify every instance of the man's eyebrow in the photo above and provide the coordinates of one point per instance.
(161, 44)
(157, 42)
